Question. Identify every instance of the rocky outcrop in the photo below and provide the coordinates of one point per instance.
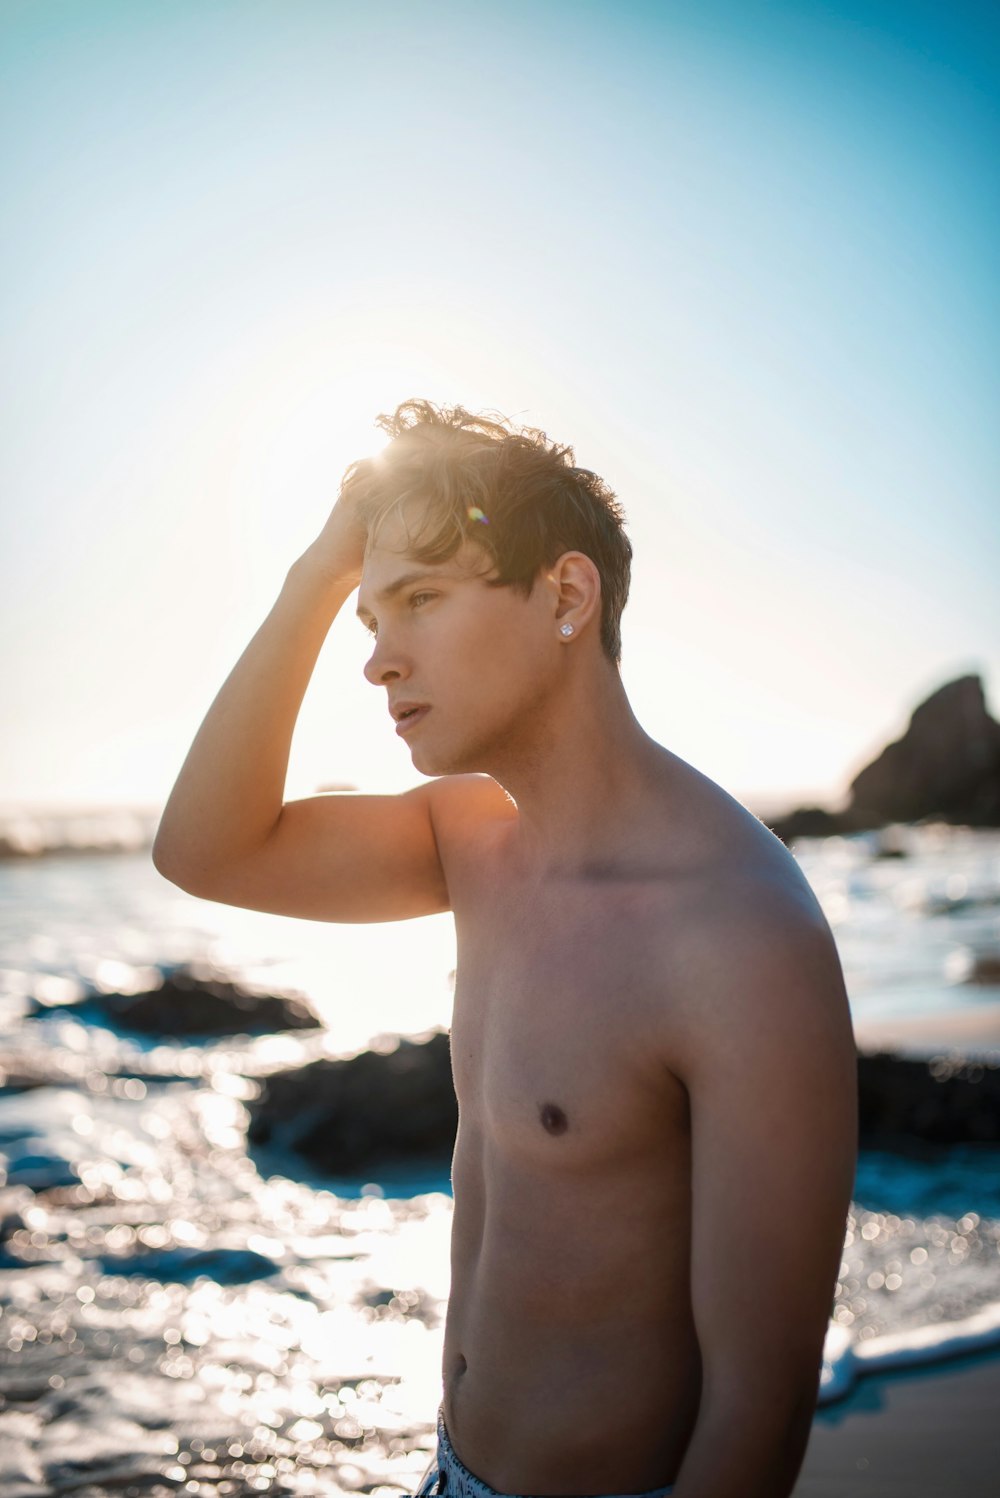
(187, 1006)
(947, 764)
(904, 1103)
(350, 1117)
(946, 767)
(810, 821)
(377, 1108)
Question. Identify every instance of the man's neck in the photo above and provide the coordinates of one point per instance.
(580, 784)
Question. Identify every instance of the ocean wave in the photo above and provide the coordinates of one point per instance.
(846, 1357)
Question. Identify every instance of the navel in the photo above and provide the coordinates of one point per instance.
(553, 1118)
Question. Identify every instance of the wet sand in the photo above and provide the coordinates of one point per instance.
(931, 1432)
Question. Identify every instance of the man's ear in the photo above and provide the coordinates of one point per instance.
(574, 585)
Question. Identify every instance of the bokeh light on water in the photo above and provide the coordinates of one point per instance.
(173, 1316)
(180, 1314)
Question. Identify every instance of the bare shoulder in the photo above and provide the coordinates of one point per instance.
(464, 810)
(752, 963)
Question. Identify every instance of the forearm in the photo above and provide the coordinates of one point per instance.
(229, 793)
(745, 1450)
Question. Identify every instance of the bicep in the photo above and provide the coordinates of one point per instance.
(771, 1072)
(342, 857)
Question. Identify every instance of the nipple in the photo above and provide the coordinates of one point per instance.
(553, 1119)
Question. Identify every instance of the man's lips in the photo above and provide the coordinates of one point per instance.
(408, 714)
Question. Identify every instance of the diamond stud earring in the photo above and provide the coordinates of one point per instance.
(566, 629)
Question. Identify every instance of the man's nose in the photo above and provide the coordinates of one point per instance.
(383, 666)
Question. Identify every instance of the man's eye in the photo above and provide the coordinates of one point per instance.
(417, 600)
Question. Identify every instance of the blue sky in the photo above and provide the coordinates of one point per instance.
(742, 256)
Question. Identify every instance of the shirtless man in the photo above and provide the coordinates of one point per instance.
(651, 1043)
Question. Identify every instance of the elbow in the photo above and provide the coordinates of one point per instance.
(193, 874)
(161, 859)
(174, 867)
(164, 866)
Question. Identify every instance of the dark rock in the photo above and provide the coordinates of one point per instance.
(946, 767)
(186, 1005)
(891, 842)
(808, 821)
(943, 1101)
(346, 1117)
(985, 968)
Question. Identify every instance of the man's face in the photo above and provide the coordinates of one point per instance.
(466, 666)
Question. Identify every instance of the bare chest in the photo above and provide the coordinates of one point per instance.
(557, 1035)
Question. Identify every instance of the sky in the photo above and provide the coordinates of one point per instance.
(741, 254)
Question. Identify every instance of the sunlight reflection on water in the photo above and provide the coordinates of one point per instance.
(171, 1309)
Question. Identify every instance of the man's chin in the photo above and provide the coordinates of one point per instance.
(430, 762)
(426, 763)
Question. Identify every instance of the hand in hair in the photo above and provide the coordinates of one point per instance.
(338, 551)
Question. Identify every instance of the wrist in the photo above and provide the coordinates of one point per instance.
(338, 574)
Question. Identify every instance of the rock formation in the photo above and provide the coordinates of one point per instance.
(946, 767)
(351, 1117)
(373, 1109)
(905, 1103)
(947, 764)
(187, 1006)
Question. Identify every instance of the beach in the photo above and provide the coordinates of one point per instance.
(928, 1432)
(632, 450)
(932, 1429)
(189, 1302)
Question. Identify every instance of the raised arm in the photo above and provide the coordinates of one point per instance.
(767, 1053)
(226, 833)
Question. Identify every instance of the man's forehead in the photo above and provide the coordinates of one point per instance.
(387, 571)
(384, 571)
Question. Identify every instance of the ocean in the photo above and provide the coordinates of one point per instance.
(178, 1312)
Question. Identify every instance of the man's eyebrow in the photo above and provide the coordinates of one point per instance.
(391, 589)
